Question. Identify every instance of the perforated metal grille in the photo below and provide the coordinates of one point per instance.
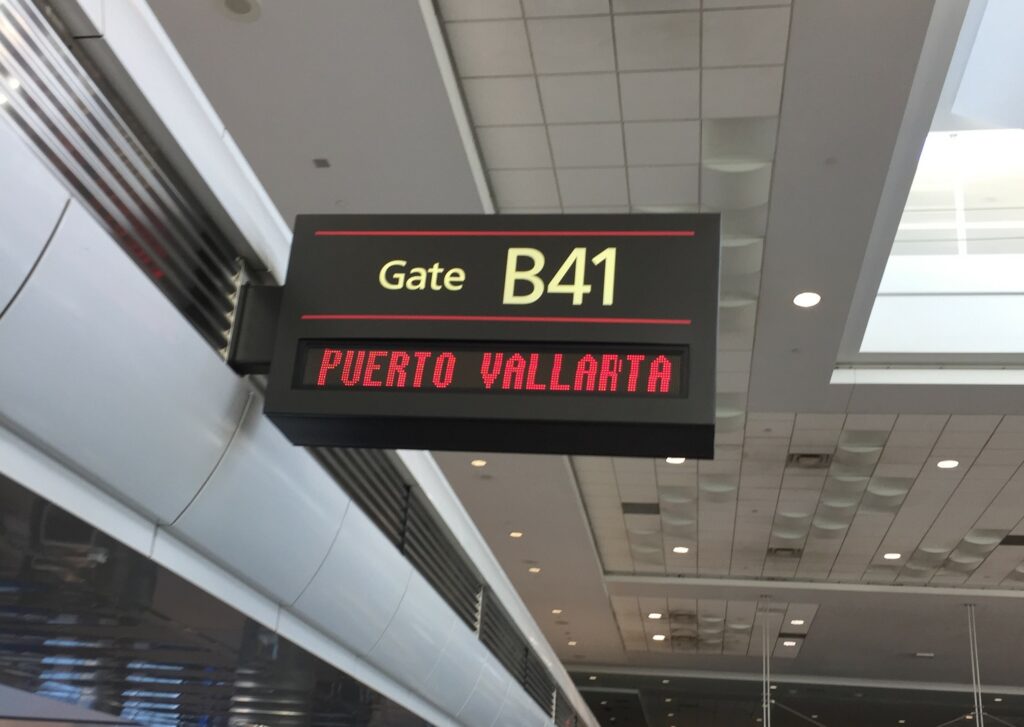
(55, 104)
(498, 634)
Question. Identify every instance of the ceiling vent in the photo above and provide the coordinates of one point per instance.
(808, 460)
(641, 508)
(786, 552)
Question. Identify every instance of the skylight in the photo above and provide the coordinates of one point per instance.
(954, 280)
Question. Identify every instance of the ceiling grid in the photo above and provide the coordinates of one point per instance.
(672, 106)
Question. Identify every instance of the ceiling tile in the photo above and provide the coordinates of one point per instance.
(600, 209)
(647, 6)
(745, 37)
(572, 45)
(663, 186)
(718, 4)
(533, 188)
(540, 8)
(659, 95)
(734, 92)
(495, 101)
(587, 145)
(663, 142)
(490, 48)
(592, 186)
(659, 41)
(476, 10)
(514, 147)
(577, 98)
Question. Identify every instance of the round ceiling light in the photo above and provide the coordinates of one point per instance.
(948, 464)
(658, 637)
(534, 569)
(797, 622)
(515, 535)
(654, 615)
(478, 462)
(681, 549)
(807, 299)
(892, 556)
(572, 643)
(675, 460)
(556, 611)
(789, 643)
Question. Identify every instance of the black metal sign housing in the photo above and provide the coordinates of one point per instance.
(574, 334)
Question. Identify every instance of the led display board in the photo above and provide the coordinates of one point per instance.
(577, 334)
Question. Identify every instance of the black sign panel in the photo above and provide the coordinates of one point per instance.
(532, 333)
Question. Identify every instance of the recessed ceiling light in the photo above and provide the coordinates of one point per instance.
(774, 686)
(572, 643)
(789, 643)
(675, 460)
(998, 699)
(534, 569)
(797, 622)
(925, 655)
(604, 702)
(479, 462)
(593, 677)
(654, 615)
(814, 716)
(807, 299)
(671, 714)
(664, 681)
(892, 556)
(668, 699)
(658, 637)
(244, 9)
(515, 534)
(901, 721)
(681, 549)
(968, 716)
(948, 464)
(556, 611)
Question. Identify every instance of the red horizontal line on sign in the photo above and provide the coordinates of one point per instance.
(498, 319)
(504, 233)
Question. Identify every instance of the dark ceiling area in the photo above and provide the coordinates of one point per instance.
(89, 622)
(654, 701)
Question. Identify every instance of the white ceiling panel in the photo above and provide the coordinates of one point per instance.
(658, 41)
(490, 48)
(647, 6)
(745, 37)
(738, 92)
(663, 142)
(524, 188)
(580, 98)
(542, 8)
(659, 95)
(515, 147)
(593, 186)
(500, 101)
(572, 45)
(587, 145)
(668, 187)
(476, 10)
